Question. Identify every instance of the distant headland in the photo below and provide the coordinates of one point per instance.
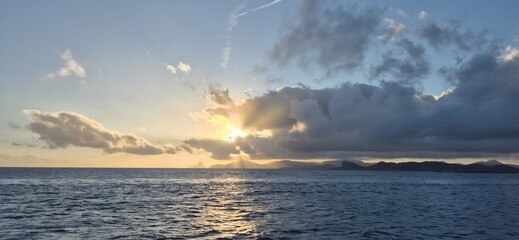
(490, 166)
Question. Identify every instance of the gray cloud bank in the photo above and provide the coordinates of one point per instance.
(62, 129)
(336, 37)
(408, 70)
(479, 117)
(452, 34)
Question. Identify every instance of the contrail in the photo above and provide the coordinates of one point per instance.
(233, 21)
(266, 5)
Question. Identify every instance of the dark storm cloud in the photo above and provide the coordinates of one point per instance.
(336, 38)
(408, 69)
(484, 103)
(63, 129)
(478, 118)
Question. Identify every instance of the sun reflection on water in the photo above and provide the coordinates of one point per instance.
(226, 209)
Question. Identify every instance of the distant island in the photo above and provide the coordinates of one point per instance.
(490, 166)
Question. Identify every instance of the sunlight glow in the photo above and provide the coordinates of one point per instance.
(235, 133)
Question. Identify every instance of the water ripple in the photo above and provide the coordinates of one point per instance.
(230, 204)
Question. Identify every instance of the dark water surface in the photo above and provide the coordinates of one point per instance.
(252, 204)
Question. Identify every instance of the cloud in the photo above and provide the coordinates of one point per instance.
(171, 69)
(478, 117)
(14, 126)
(63, 129)
(258, 70)
(451, 35)
(219, 149)
(271, 79)
(71, 68)
(4, 158)
(422, 15)
(219, 96)
(184, 67)
(262, 71)
(510, 54)
(401, 13)
(337, 38)
(181, 69)
(18, 144)
(394, 28)
(248, 92)
(270, 111)
(408, 69)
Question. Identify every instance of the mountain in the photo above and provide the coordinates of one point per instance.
(287, 164)
(283, 164)
(490, 166)
(242, 164)
(338, 163)
(432, 166)
(491, 162)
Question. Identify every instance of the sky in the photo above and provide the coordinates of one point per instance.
(179, 83)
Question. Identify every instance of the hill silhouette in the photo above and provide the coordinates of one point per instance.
(490, 166)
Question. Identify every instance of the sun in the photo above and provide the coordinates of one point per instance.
(235, 133)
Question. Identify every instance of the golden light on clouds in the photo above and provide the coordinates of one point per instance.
(235, 133)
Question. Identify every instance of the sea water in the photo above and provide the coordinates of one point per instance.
(255, 204)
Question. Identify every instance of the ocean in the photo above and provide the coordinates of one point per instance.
(65, 203)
